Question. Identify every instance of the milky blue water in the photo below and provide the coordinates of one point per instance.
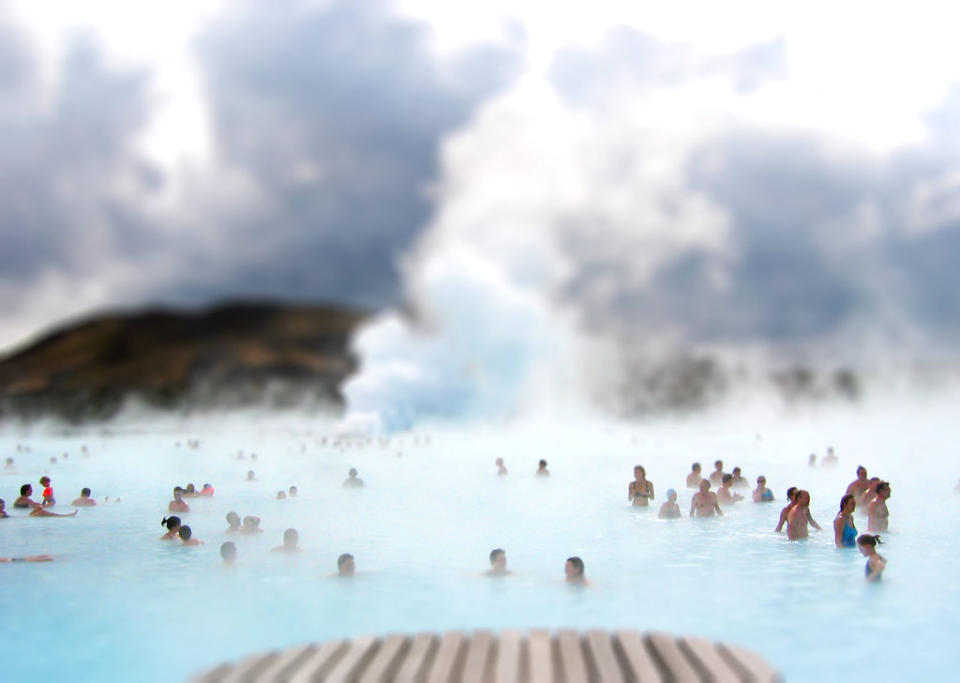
(119, 603)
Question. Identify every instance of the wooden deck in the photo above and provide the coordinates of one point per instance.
(537, 656)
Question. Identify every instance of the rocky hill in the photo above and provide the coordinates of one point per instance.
(231, 355)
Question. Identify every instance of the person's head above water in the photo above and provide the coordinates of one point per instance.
(861, 472)
(233, 519)
(718, 464)
(85, 493)
(792, 493)
(290, 539)
(177, 492)
(848, 499)
(293, 491)
(736, 472)
(727, 479)
(542, 464)
(869, 540)
(346, 566)
(353, 473)
(228, 551)
(639, 471)
(883, 490)
(171, 523)
(185, 533)
(498, 560)
(26, 490)
(573, 569)
(696, 467)
(671, 495)
(704, 485)
(281, 494)
(249, 475)
(803, 497)
(44, 481)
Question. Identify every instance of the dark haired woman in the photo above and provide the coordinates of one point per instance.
(640, 491)
(844, 530)
(172, 525)
(876, 563)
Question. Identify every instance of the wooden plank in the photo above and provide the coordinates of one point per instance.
(752, 664)
(478, 651)
(360, 654)
(286, 663)
(712, 666)
(541, 657)
(642, 665)
(320, 661)
(443, 663)
(601, 651)
(571, 656)
(411, 671)
(680, 668)
(384, 665)
(249, 669)
(508, 657)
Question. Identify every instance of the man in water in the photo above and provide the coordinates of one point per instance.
(693, 479)
(716, 477)
(290, 540)
(799, 517)
(352, 481)
(228, 551)
(501, 468)
(859, 485)
(791, 501)
(251, 525)
(877, 514)
(542, 470)
(739, 481)
(84, 501)
(725, 494)
(704, 502)
(573, 571)
(178, 504)
(346, 567)
(498, 563)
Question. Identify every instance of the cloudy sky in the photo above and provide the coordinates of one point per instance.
(736, 174)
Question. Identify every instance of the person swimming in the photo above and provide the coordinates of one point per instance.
(762, 494)
(28, 558)
(207, 491)
(844, 530)
(178, 504)
(48, 499)
(346, 566)
(85, 499)
(670, 509)
(498, 563)
(724, 494)
(876, 563)
(573, 571)
(233, 520)
(290, 540)
(877, 514)
(172, 525)
(501, 468)
(693, 479)
(251, 525)
(186, 536)
(704, 502)
(640, 491)
(353, 481)
(228, 551)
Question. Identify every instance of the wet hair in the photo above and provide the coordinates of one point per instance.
(281, 494)
(543, 463)
(290, 537)
(861, 467)
(704, 481)
(790, 492)
(191, 488)
(185, 533)
(641, 468)
(727, 478)
(170, 523)
(293, 490)
(718, 463)
(85, 492)
(843, 501)
(228, 551)
(577, 563)
(869, 539)
(737, 470)
(695, 467)
(233, 517)
(25, 490)
(671, 492)
(495, 553)
(352, 472)
(210, 486)
(44, 480)
(883, 485)
(762, 477)
(176, 490)
(343, 559)
(801, 491)
(251, 520)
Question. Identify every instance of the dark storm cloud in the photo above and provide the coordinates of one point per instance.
(335, 114)
(60, 160)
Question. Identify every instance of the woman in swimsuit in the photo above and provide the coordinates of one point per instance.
(844, 530)
(640, 491)
(172, 525)
(877, 515)
(762, 494)
(670, 509)
(876, 563)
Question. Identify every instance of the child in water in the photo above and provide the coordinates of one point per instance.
(876, 563)
(48, 499)
(670, 509)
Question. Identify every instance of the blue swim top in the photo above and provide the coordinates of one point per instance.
(849, 539)
(767, 495)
